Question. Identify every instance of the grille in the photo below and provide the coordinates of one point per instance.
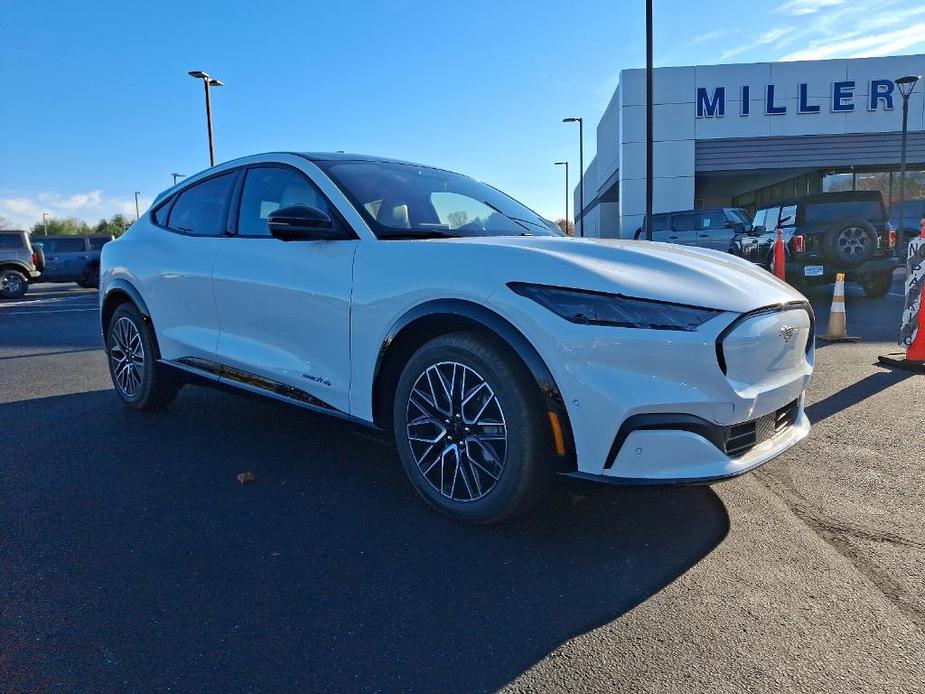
(741, 438)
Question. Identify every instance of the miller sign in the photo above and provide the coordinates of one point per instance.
(841, 99)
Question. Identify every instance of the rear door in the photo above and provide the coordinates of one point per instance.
(52, 264)
(284, 307)
(72, 257)
(713, 230)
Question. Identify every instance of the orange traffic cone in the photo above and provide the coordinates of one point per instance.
(912, 331)
(780, 263)
(837, 318)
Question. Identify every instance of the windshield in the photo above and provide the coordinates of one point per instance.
(833, 211)
(406, 200)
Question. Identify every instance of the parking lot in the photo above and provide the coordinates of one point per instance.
(131, 559)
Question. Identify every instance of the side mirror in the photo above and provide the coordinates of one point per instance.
(301, 223)
(738, 228)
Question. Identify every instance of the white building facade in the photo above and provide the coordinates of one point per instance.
(743, 135)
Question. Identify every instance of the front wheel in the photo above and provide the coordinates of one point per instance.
(470, 429)
(130, 345)
(878, 285)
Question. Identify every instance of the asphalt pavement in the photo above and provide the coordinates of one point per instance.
(131, 559)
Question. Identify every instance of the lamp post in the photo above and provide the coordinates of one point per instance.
(906, 85)
(581, 173)
(177, 176)
(208, 83)
(565, 164)
(45, 222)
(137, 212)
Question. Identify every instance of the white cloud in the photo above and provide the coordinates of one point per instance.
(863, 46)
(801, 7)
(708, 36)
(25, 210)
(769, 37)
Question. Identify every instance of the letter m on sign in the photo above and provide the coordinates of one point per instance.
(709, 107)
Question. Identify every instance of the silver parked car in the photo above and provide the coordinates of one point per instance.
(20, 264)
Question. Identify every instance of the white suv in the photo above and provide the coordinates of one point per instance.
(497, 352)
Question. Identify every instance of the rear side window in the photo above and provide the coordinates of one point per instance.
(97, 244)
(11, 242)
(661, 222)
(711, 220)
(819, 212)
(268, 188)
(202, 209)
(684, 222)
(75, 245)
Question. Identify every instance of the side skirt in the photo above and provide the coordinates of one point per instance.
(214, 375)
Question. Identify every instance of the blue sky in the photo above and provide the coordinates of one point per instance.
(98, 103)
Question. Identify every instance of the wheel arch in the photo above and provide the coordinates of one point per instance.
(15, 265)
(441, 316)
(118, 292)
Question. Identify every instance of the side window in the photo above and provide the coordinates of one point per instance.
(760, 216)
(684, 222)
(162, 212)
(74, 245)
(788, 211)
(661, 222)
(11, 241)
(771, 220)
(97, 244)
(711, 220)
(201, 210)
(267, 189)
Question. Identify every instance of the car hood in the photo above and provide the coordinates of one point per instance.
(662, 271)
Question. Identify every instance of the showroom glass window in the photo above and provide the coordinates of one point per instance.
(202, 209)
(266, 189)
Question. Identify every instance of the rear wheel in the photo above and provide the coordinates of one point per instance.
(470, 429)
(13, 284)
(140, 383)
(91, 278)
(878, 284)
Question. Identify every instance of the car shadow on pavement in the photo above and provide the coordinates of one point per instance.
(853, 394)
(135, 560)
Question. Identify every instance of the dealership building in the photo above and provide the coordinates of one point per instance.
(749, 134)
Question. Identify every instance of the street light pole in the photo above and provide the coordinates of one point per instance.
(137, 212)
(565, 163)
(208, 82)
(580, 212)
(45, 222)
(906, 85)
(177, 176)
(649, 157)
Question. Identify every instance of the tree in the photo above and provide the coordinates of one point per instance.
(566, 226)
(5, 223)
(114, 226)
(70, 226)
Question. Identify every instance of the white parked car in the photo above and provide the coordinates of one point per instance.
(497, 352)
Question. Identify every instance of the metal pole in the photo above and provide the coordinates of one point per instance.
(581, 165)
(45, 222)
(137, 213)
(209, 122)
(566, 197)
(901, 222)
(649, 71)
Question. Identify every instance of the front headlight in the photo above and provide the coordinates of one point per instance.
(600, 308)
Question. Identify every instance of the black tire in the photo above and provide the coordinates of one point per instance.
(878, 284)
(91, 278)
(152, 386)
(497, 492)
(13, 284)
(850, 242)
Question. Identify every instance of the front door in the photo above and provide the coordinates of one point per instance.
(284, 307)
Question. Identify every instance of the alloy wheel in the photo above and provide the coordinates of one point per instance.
(127, 355)
(853, 241)
(10, 285)
(457, 431)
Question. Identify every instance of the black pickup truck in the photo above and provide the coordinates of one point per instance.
(825, 234)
